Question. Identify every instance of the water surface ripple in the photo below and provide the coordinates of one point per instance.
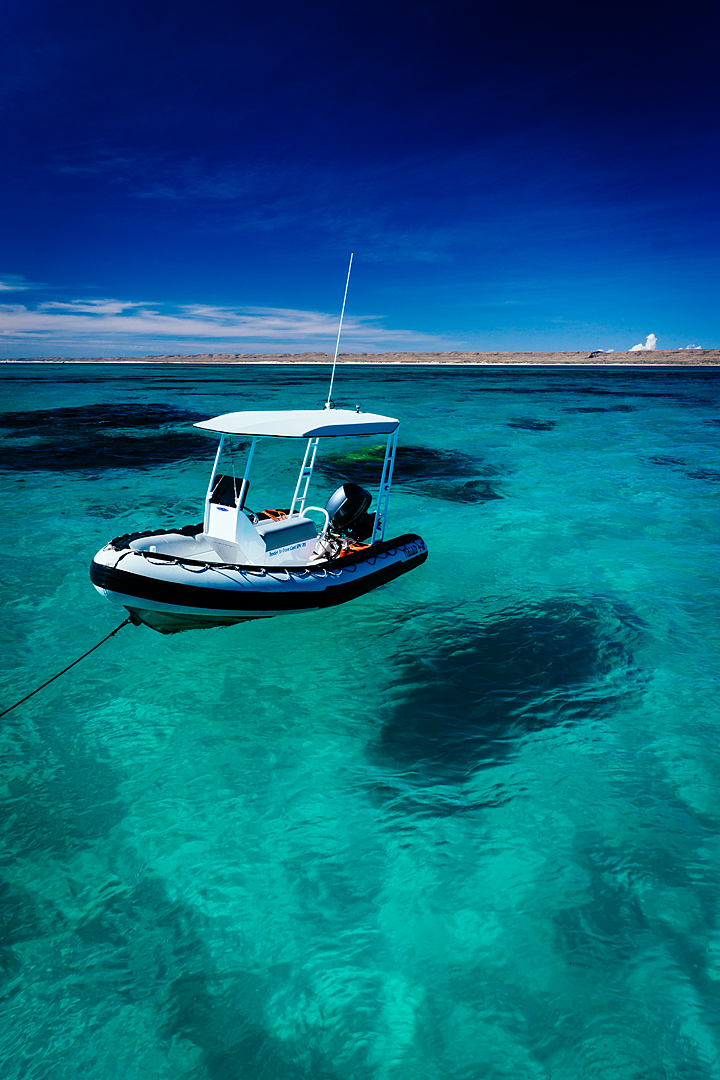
(465, 827)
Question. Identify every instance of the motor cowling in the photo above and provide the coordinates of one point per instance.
(347, 509)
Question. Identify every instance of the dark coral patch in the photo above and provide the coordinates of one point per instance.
(476, 691)
(529, 423)
(411, 463)
(713, 475)
(472, 492)
(103, 452)
(601, 409)
(98, 437)
(439, 474)
(67, 421)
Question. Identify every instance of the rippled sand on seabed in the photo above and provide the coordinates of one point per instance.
(465, 827)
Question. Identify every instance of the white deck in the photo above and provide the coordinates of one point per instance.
(208, 549)
(301, 423)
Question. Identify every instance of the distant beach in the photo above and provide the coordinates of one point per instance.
(650, 358)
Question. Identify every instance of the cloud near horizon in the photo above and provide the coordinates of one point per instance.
(93, 326)
(650, 344)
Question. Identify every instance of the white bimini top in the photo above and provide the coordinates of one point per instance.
(301, 423)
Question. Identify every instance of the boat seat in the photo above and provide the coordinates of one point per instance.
(229, 491)
(277, 534)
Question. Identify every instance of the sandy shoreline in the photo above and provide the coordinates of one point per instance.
(656, 358)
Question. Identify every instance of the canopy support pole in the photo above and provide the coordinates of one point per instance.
(246, 474)
(385, 485)
(206, 522)
(306, 471)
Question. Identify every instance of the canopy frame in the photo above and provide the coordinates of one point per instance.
(303, 481)
(385, 485)
(301, 424)
(304, 478)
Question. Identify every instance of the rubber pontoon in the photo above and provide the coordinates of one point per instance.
(237, 565)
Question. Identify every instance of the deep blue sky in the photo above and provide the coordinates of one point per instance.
(184, 177)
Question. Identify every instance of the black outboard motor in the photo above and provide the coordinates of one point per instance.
(347, 510)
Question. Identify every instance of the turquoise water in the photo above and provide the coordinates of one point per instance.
(465, 827)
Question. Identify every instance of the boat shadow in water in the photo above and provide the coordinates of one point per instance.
(479, 691)
(425, 470)
(97, 437)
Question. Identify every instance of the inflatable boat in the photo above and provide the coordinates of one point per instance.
(238, 564)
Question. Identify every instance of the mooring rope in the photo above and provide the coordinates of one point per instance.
(43, 685)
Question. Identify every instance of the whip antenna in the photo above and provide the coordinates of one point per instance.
(329, 402)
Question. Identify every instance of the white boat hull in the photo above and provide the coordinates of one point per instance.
(171, 594)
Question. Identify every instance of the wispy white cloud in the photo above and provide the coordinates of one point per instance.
(92, 327)
(91, 307)
(17, 283)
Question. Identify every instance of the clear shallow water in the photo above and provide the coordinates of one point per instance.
(464, 827)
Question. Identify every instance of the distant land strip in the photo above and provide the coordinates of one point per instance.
(651, 358)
